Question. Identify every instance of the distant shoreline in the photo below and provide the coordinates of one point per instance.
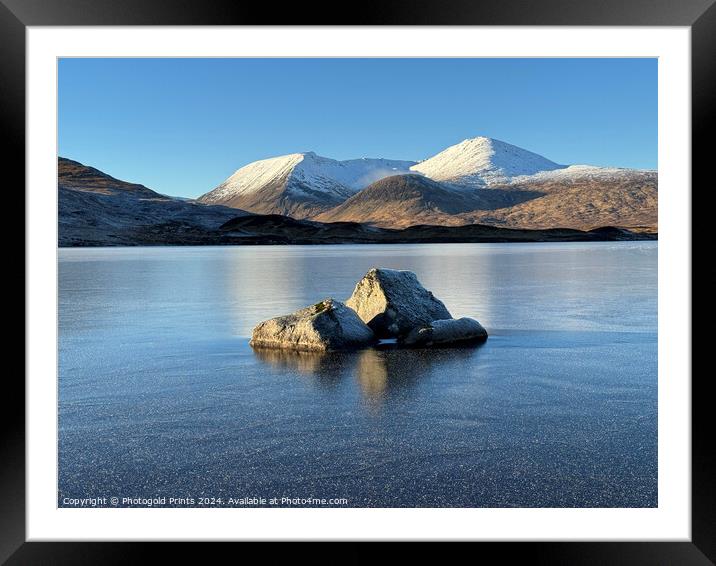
(277, 230)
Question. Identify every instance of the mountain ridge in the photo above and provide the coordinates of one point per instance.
(299, 184)
(95, 209)
(629, 200)
(480, 179)
(421, 199)
(477, 181)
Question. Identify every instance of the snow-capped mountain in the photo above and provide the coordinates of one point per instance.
(486, 181)
(300, 184)
(477, 180)
(481, 162)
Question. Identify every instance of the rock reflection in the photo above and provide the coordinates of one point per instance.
(307, 363)
(372, 374)
(324, 369)
(379, 372)
(382, 373)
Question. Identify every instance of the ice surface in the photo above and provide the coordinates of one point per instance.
(161, 395)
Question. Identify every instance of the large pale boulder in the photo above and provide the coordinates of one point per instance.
(394, 302)
(446, 332)
(328, 325)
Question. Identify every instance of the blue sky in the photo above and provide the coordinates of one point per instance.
(181, 126)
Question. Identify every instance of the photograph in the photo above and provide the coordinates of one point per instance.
(357, 282)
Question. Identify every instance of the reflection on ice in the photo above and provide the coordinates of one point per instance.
(378, 371)
(372, 374)
(305, 362)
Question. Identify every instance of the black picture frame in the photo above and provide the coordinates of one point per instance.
(699, 15)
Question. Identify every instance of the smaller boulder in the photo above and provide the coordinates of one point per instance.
(446, 333)
(328, 325)
(394, 302)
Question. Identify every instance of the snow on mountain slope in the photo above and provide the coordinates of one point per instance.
(359, 173)
(481, 161)
(253, 177)
(582, 173)
(306, 175)
(490, 175)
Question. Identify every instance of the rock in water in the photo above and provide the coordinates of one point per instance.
(394, 302)
(328, 325)
(446, 332)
